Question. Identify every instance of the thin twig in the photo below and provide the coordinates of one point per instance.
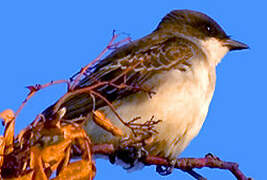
(108, 47)
(184, 164)
(34, 89)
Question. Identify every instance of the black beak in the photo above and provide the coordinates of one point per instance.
(235, 45)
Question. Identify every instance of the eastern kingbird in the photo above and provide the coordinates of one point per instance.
(177, 61)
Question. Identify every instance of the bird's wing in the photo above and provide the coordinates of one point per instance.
(138, 61)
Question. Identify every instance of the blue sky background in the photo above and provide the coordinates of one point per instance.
(48, 40)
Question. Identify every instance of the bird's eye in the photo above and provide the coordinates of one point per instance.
(208, 28)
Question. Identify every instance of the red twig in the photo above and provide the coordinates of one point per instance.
(190, 163)
(90, 90)
(109, 46)
(34, 89)
(181, 163)
(37, 87)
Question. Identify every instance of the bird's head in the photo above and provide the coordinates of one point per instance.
(201, 29)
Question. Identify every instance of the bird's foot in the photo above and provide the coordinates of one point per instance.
(131, 150)
(128, 156)
(166, 170)
(212, 156)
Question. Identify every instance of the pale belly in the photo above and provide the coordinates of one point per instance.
(181, 101)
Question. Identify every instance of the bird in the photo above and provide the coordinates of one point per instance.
(177, 62)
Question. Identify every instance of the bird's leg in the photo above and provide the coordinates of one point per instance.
(166, 170)
(131, 150)
(129, 155)
(210, 155)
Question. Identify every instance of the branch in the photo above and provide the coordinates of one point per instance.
(184, 164)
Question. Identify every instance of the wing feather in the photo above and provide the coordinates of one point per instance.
(148, 58)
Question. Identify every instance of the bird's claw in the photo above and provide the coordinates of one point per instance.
(210, 155)
(166, 170)
(130, 156)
